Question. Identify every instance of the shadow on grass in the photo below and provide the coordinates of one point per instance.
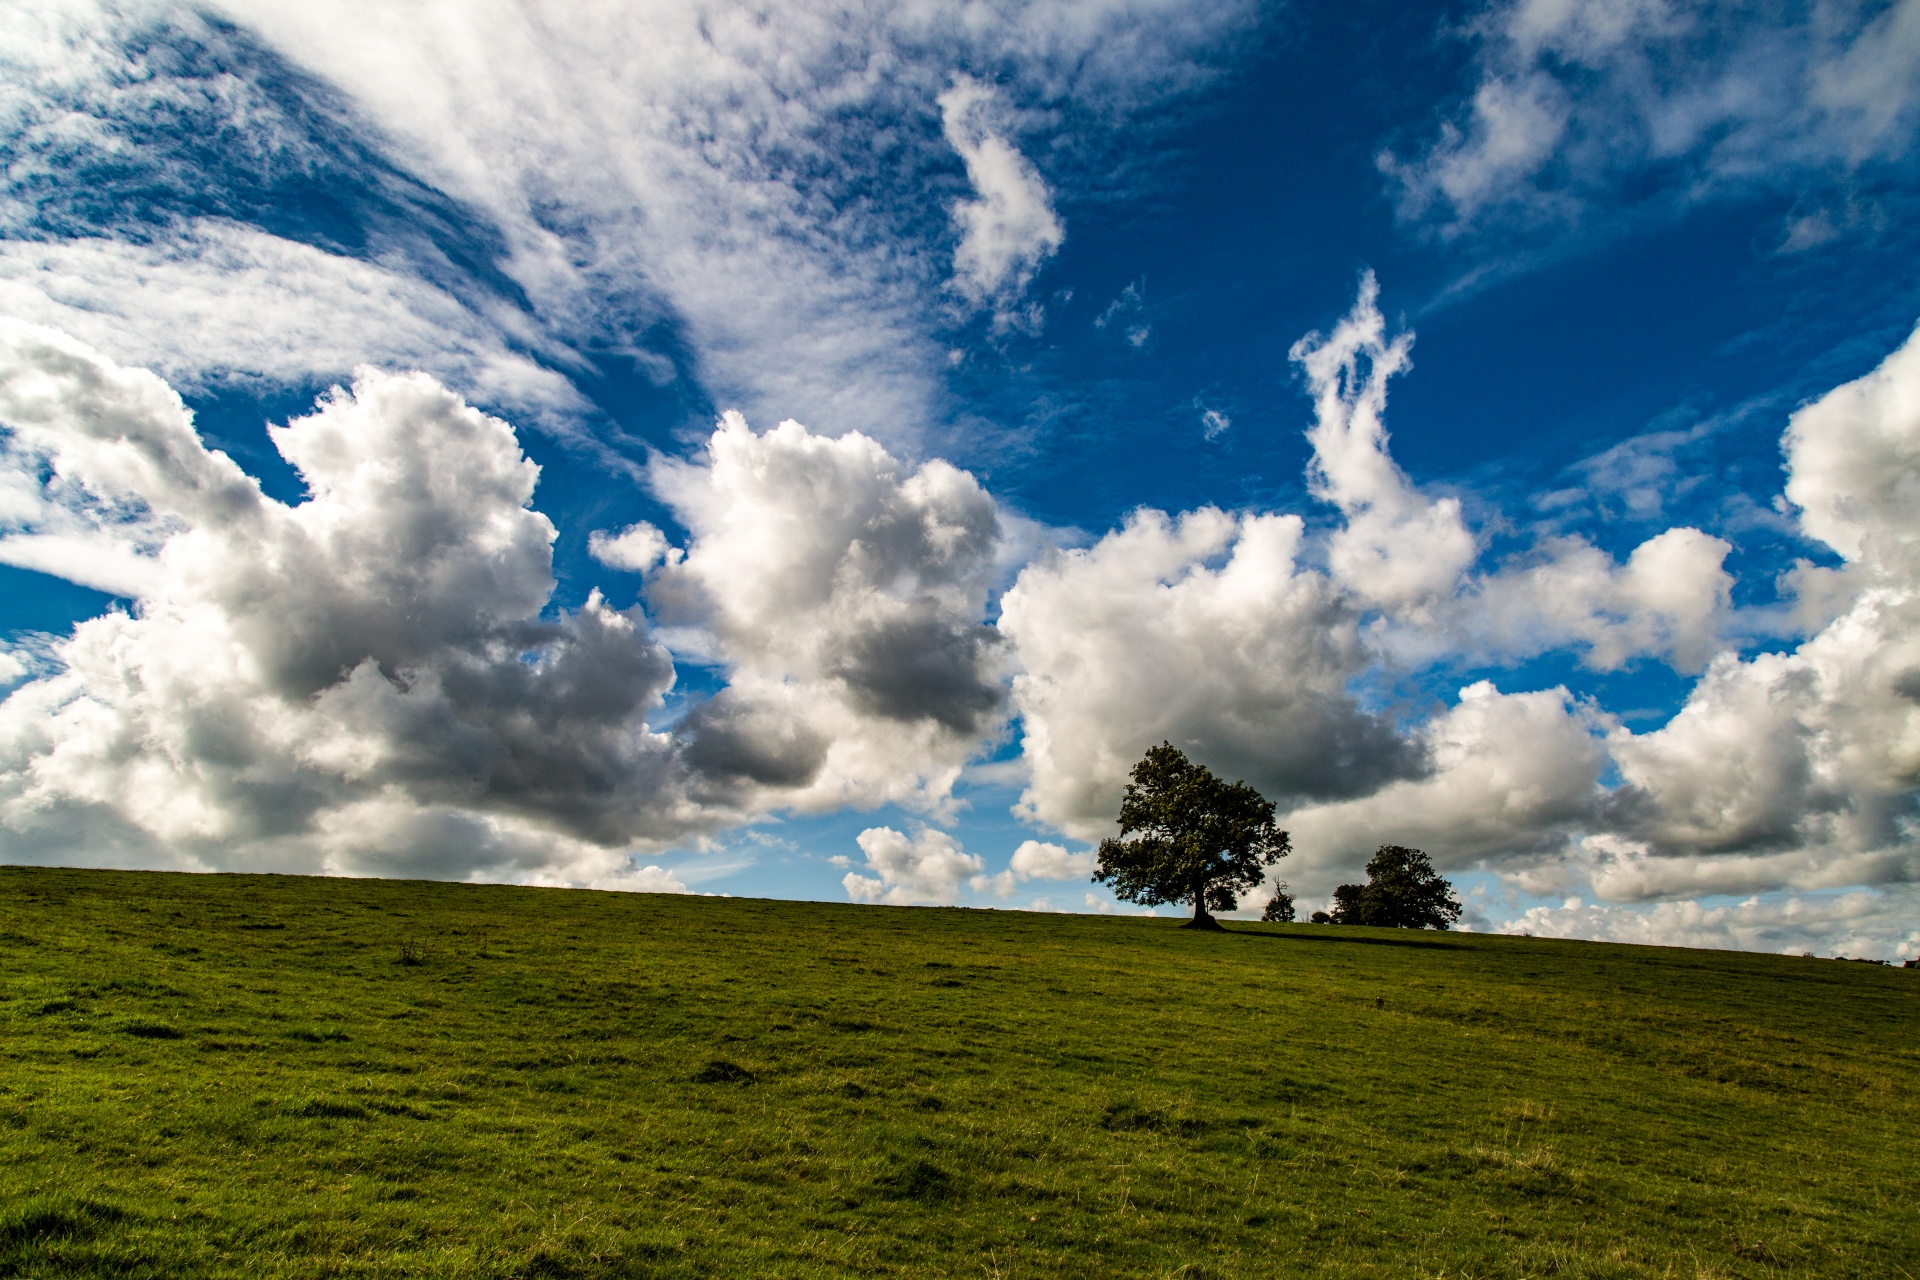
(1346, 934)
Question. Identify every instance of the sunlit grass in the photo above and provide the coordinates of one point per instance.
(266, 1076)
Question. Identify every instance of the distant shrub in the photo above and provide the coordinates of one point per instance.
(412, 953)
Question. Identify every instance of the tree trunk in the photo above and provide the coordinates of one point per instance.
(1201, 920)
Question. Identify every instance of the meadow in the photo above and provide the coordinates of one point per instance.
(259, 1076)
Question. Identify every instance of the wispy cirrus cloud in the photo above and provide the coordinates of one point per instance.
(1582, 113)
(1009, 226)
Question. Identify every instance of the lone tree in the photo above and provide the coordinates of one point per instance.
(1193, 838)
(1402, 891)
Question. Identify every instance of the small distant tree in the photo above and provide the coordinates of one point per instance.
(1402, 891)
(1186, 836)
(1280, 906)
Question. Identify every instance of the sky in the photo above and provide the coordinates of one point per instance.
(813, 450)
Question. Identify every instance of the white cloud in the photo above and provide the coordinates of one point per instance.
(636, 548)
(362, 682)
(1398, 548)
(929, 867)
(217, 305)
(1209, 631)
(1514, 776)
(1204, 631)
(1584, 108)
(755, 185)
(1214, 632)
(845, 595)
(1009, 228)
(1875, 925)
(1035, 860)
(1812, 755)
(759, 169)
(1672, 599)
(1854, 462)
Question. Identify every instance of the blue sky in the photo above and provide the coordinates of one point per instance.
(1481, 427)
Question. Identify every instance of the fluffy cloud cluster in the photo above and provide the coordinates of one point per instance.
(931, 867)
(1812, 758)
(1206, 631)
(362, 681)
(843, 595)
(1220, 634)
(1512, 776)
(1873, 925)
(370, 678)
(1783, 770)
(1578, 104)
(1397, 548)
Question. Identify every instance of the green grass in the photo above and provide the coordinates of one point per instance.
(256, 1076)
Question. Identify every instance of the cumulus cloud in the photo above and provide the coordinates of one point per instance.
(928, 867)
(1782, 770)
(1672, 599)
(360, 682)
(1035, 860)
(1009, 228)
(1204, 630)
(845, 596)
(1039, 860)
(1812, 755)
(1651, 104)
(1398, 548)
(1217, 633)
(636, 548)
(1512, 777)
(1873, 925)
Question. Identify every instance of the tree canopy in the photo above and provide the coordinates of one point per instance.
(1187, 836)
(1402, 891)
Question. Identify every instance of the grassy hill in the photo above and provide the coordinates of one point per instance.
(262, 1076)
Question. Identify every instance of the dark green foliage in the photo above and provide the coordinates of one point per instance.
(1402, 891)
(1279, 909)
(1194, 838)
(1099, 1098)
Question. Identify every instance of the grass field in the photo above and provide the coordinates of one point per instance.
(268, 1076)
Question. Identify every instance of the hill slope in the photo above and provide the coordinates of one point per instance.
(239, 1076)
